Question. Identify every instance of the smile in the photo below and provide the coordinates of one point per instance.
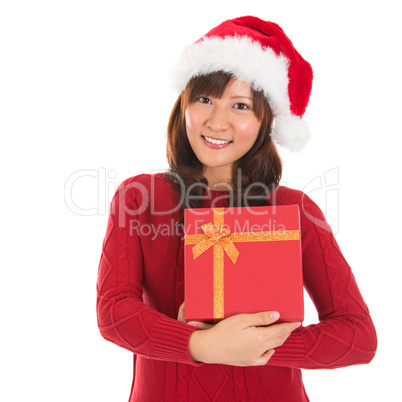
(216, 142)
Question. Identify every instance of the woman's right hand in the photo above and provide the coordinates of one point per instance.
(240, 340)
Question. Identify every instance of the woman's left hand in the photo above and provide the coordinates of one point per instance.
(202, 325)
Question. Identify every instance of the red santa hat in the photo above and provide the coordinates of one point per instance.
(259, 53)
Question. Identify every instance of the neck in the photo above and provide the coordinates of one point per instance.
(219, 179)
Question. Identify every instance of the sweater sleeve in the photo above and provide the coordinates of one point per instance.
(122, 316)
(345, 334)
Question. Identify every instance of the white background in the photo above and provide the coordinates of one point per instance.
(84, 91)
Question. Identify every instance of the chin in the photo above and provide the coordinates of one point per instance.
(215, 164)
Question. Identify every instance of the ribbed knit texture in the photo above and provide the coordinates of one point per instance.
(140, 288)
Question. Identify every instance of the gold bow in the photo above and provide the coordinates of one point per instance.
(216, 234)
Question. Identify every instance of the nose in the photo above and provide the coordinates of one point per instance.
(218, 120)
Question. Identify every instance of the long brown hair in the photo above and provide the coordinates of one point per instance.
(255, 172)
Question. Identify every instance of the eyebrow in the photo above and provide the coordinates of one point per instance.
(240, 96)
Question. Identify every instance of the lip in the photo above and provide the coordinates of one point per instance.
(215, 146)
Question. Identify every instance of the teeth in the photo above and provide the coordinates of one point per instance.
(217, 142)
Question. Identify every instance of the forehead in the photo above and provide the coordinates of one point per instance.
(218, 84)
(238, 88)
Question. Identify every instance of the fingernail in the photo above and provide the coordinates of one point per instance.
(274, 314)
(192, 323)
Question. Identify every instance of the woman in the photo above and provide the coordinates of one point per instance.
(242, 87)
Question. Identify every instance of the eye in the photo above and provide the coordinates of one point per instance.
(241, 106)
(204, 99)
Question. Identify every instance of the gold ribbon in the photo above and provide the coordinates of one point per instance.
(216, 235)
(222, 239)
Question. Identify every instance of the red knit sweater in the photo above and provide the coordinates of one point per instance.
(141, 287)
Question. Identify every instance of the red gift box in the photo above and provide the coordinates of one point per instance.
(243, 260)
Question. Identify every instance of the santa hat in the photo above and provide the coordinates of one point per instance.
(259, 53)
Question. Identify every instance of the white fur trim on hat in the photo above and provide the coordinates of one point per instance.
(245, 59)
(290, 131)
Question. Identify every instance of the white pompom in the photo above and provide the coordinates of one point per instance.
(290, 132)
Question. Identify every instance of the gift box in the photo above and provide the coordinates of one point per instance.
(243, 260)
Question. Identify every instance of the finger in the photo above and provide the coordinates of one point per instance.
(181, 311)
(260, 319)
(181, 319)
(277, 334)
(180, 315)
(202, 325)
(279, 329)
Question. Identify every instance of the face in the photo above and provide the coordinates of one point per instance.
(221, 131)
